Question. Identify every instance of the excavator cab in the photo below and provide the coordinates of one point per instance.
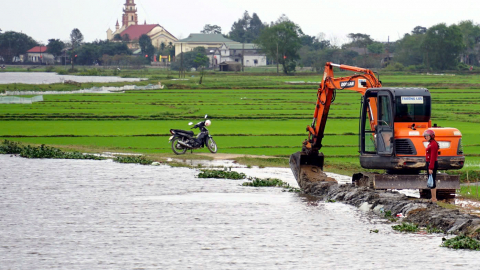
(383, 111)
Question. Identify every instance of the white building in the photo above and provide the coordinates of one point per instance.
(220, 49)
(38, 54)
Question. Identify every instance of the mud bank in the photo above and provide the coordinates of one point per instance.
(418, 211)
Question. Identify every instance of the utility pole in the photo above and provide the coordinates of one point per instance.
(277, 56)
(243, 54)
(181, 73)
(73, 52)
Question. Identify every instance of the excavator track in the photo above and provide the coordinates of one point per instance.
(446, 184)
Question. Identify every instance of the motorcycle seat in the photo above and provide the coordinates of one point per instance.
(183, 131)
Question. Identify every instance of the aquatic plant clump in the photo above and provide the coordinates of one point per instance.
(11, 148)
(406, 227)
(133, 159)
(270, 182)
(221, 174)
(43, 151)
(461, 242)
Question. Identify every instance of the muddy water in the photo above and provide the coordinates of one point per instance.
(102, 215)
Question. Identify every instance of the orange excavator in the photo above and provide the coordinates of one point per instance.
(391, 127)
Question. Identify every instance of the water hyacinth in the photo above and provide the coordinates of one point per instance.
(133, 159)
(461, 242)
(221, 174)
(43, 151)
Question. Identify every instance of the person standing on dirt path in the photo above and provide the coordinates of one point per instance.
(432, 160)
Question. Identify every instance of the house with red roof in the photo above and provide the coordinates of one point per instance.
(38, 54)
(131, 31)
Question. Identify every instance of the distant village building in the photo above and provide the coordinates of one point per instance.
(220, 49)
(38, 54)
(132, 31)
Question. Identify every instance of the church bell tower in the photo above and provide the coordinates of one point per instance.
(130, 14)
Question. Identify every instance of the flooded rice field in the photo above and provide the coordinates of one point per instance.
(50, 77)
(80, 214)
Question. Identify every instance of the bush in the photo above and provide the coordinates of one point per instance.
(221, 174)
(395, 66)
(462, 67)
(61, 71)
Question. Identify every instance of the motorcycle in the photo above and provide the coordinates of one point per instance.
(183, 140)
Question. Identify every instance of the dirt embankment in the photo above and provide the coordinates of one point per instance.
(418, 211)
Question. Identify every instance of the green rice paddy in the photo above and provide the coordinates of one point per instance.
(267, 120)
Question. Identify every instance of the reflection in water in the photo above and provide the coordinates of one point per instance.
(99, 214)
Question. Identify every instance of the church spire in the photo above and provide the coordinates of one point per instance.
(130, 14)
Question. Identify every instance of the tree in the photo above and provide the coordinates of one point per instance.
(211, 29)
(419, 30)
(201, 60)
(282, 41)
(442, 46)
(360, 40)
(408, 50)
(146, 46)
(247, 29)
(189, 59)
(14, 44)
(117, 37)
(471, 39)
(76, 38)
(92, 53)
(55, 47)
(376, 48)
(126, 38)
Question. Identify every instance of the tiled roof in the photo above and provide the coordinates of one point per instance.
(217, 38)
(136, 31)
(38, 49)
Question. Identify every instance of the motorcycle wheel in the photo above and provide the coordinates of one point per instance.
(178, 148)
(211, 145)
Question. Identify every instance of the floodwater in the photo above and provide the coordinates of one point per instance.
(81, 214)
(50, 77)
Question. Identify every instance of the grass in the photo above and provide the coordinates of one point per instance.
(470, 192)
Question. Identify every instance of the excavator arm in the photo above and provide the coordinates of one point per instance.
(309, 162)
(326, 94)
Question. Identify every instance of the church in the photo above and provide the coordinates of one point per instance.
(132, 31)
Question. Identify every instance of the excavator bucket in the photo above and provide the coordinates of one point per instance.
(308, 168)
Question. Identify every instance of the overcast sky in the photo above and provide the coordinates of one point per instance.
(46, 19)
